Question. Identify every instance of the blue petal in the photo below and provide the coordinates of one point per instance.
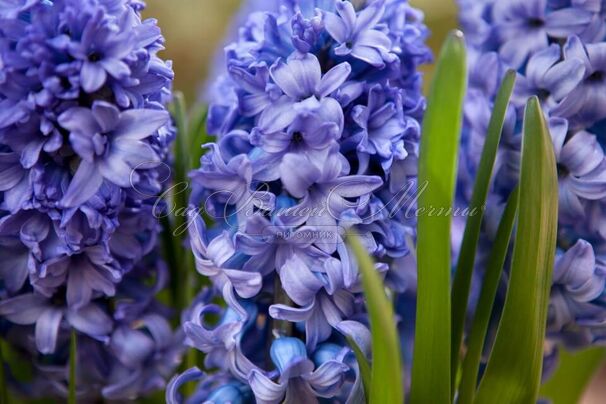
(328, 378)
(299, 281)
(576, 271)
(138, 124)
(92, 77)
(298, 77)
(84, 185)
(265, 390)
(24, 309)
(90, 320)
(47, 329)
(172, 395)
(298, 174)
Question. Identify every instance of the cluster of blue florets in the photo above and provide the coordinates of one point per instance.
(318, 124)
(83, 135)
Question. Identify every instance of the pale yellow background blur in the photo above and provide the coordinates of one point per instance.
(194, 28)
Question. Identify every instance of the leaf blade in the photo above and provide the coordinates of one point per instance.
(365, 369)
(494, 269)
(514, 368)
(437, 169)
(466, 261)
(386, 367)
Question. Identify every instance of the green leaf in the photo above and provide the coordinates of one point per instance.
(73, 358)
(198, 135)
(575, 371)
(490, 284)
(365, 370)
(386, 372)
(437, 173)
(513, 373)
(465, 265)
(179, 113)
(184, 282)
(178, 201)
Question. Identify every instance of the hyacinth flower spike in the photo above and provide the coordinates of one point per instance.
(84, 132)
(316, 114)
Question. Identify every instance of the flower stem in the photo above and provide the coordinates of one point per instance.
(281, 328)
(185, 284)
(190, 287)
(3, 388)
(180, 200)
(73, 347)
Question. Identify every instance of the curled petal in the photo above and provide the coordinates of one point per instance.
(172, 395)
(328, 378)
(265, 390)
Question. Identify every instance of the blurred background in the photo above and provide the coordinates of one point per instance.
(195, 30)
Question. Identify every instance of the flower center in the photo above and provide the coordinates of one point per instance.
(297, 137)
(94, 56)
(65, 83)
(596, 77)
(562, 171)
(536, 22)
(59, 298)
(99, 143)
(543, 94)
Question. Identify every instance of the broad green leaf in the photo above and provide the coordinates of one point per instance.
(575, 371)
(513, 373)
(73, 358)
(365, 370)
(465, 265)
(490, 284)
(437, 172)
(386, 372)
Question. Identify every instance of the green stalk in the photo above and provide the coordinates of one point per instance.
(282, 327)
(437, 172)
(73, 355)
(465, 264)
(481, 320)
(3, 388)
(184, 286)
(170, 256)
(180, 200)
(191, 356)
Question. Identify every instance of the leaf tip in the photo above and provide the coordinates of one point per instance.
(534, 104)
(510, 79)
(457, 34)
